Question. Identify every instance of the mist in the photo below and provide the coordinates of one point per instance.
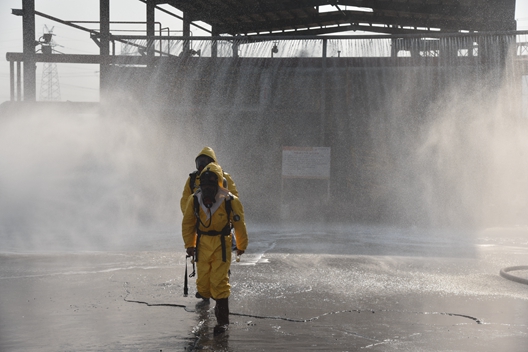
(474, 158)
(87, 178)
(462, 162)
(413, 144)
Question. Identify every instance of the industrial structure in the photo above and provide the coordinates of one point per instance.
(256, 20)
(288, 74)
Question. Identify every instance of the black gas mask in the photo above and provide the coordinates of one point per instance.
(209, 188)
(202, 161)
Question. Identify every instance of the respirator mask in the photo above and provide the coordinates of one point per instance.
(209, 188)
(202, 161)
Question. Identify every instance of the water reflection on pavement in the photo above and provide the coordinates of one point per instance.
(325, 287)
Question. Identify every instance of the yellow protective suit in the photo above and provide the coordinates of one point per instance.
(212, 272)
(207, 151)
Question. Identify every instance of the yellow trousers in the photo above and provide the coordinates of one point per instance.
(212, 279)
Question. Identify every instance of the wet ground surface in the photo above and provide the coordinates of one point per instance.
(332, 287)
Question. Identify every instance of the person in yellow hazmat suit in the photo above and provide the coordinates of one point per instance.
(206, 229)
(206, 156)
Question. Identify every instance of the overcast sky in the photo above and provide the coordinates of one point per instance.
(80, 82)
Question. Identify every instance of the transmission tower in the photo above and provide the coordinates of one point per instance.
(49, 85)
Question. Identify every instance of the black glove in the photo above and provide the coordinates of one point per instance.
(190, 251)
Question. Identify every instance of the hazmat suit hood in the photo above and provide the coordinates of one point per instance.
(208, 197)
(208, 151)
(217, 170)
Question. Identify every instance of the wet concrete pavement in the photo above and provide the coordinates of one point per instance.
(324, 287)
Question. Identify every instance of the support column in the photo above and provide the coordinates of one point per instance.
(322, 137)
(235, 48)
(30, 69)
(186, 33)
(214, 43)
(394, 48)
(11, 80)
(104, 67)
(151, 8)
(18, 82)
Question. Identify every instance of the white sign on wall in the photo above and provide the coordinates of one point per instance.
(306, 162)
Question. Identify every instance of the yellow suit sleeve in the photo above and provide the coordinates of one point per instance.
(189, 224)
(231, 184)
(240, 225)
(185, 195)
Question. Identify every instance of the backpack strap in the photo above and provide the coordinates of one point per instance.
(229, 209)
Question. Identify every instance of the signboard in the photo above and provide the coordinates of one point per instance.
(306, 162)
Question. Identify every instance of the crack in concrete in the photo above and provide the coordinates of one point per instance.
(476, 320)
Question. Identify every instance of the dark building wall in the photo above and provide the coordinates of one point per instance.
(371, 112)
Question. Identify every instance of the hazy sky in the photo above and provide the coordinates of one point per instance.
(80, 82)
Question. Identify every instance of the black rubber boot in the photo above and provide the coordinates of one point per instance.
(198, 295)
(222, 316)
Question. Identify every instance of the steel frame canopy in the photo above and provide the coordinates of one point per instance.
(283, 18)
(303, 17)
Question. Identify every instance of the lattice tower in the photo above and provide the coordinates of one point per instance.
(49, 84)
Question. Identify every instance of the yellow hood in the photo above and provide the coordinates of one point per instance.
(214, 167)
(208, 151)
